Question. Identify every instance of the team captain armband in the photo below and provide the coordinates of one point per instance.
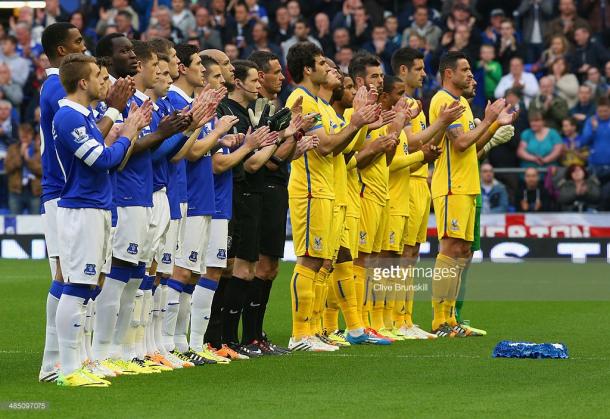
(112, 113)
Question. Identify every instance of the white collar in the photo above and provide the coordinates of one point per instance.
(52, 70)
(144, 97)
(76, 106)
(174, 88)
(112, 79)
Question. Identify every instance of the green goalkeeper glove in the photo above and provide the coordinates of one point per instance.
(502, 135)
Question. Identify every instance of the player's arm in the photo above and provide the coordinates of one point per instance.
(407, 160)
(461, 139)
(373, 149)
(335, 143)
(208, 142)
(253, 163)
(186, 145)
(117, 98)
(447, 114)
(223, 162)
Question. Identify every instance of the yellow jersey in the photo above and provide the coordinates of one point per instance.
(400, 174)
(332, 124)
(455, 172)
(375, 176)
(418, 124)
(354, 185)
(312, 174)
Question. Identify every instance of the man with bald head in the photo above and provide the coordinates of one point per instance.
(549, 104)
(228, 71)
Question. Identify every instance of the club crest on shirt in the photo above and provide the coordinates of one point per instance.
(454, 225)
(132, 249)
(362, 237)
(422, 125)
(317, 243)
(80, 134)
(405, 148)
(471, 125)
(222, 254)
(167, 258)
(89, 269)
(193, 256)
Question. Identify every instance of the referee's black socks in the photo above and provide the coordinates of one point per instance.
(265, 292)
(213, 334)
(234, 300)
(252, 309)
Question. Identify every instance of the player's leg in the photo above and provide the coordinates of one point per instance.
(379, 288)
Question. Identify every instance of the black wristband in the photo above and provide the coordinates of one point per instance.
(276, 160)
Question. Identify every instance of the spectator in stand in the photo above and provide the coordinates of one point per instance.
(585, 106)
(549, 104)
(260, 42)
(282, 29)
(607, 72)
(20, 67)
(588, 52)
(540, 146)
(89, 34)
(491, 68)
(343, 58)
(52, 13)
(596, 135)
(361, 30)
(122, 22)
(8, 135)
(407, 16)
(242, 26)
(381, 46)
(533, 197)
(222, 20)
(209, 37)
(182, 17)
(26, 46)
(294, 11)
(567, 21)
(9, 90)
(165, 27)
(566, 83)
(493, 192)
(301, 34)
(507, 46)
(461, 14)
(341, 38)
(25, 17)
(535, 16)
(598, 85)
(24, 172)
(423, 26)
(517, 78)
(458, 40)
(391, 25)
(574, 153)
(323, 35)
(491, 35)
(232, 51)
(107, 16)
(258, 12)
(345, 19)
(559, 48)
(578, 192)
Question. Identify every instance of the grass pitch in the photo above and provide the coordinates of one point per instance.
(451, 378)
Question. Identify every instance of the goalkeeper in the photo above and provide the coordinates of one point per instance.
(499, 135)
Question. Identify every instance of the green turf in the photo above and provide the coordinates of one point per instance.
(452, 378)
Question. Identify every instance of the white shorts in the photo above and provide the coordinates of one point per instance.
(181, 228)
(159, 223)
(84, 238)
(216, 256)
(108, 258)
(195, 244)
(49, 225)
(131, 242)
(166, 253)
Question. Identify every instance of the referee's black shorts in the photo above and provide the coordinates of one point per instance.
(244, 227)
(273, 220)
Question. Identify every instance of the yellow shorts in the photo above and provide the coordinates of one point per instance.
(393, 239)
(371, 230)
(419, 211)
(311, 226)
(352, 225)
(455, 216)
(340, 232)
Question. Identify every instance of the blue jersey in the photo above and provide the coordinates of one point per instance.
(84, 158)
(134, 183)
(51, 93)
(199, 174)
(173, 190)
(223, 191)
(179, 100)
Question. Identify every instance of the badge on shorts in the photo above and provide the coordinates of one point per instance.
(392, 237)
(222, 254)
(89, 269)
(362, 237)
(454, 225)
(193, 256)
(317, 243)
(167, 258)
(132, 249)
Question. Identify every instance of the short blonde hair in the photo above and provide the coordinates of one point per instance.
(74, 68)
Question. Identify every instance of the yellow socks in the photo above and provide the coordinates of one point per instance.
(302, 296)
(454, 290)
(390, 301)
(320, 290)
(359, 281)
(330, 316)
(400, 305)
(409, 297)
(445, 278)
(343, 285)
(377, 302)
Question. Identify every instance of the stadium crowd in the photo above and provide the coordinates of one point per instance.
(548, 57)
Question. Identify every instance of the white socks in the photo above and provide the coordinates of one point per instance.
(50, 355)
(174, 290)
(107, 309)
(184, 314)
(125, 312)
(70, 316)
(201, 307)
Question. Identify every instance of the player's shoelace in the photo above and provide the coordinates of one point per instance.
(326, 340)
(444, 331)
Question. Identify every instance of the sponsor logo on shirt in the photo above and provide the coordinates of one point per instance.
(80, 134)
